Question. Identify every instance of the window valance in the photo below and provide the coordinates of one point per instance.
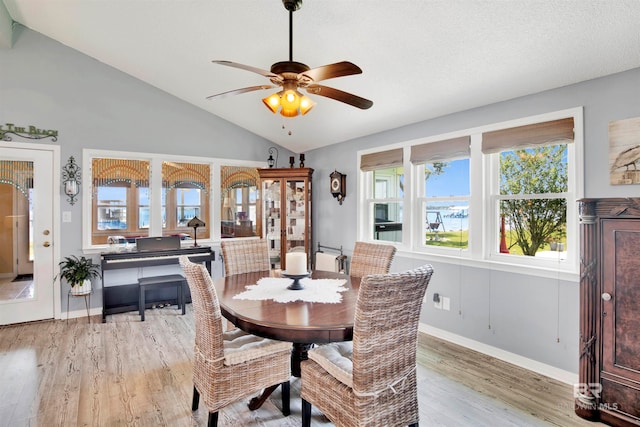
(537, 134)
(381, 160)
(438, 151)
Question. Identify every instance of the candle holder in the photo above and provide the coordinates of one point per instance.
(292, 160)
(301, 160)
(296, 285)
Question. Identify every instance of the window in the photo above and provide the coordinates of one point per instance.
(503, 192)
(140, 195)
(239, 210)
(185, 190)
(442, 169)
(530, 187)
(385, 204)
(117, 185)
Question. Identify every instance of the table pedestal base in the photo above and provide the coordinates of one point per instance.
(299, 352)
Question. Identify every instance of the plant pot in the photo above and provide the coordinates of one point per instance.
(83, 289)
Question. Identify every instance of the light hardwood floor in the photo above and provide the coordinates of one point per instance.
(12, 290)
(131, 373)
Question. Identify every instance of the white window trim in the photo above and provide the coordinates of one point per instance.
(155, 181)
(481, 226)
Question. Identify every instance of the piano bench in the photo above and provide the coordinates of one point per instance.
(170, 280)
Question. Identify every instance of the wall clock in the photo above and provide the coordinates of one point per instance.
(338, 185)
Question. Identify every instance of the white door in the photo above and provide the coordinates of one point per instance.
(26, 233)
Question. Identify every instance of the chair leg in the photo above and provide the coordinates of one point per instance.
(196, 399)
(306, 413)
(413, 425)
(286, 399)
(213, 419)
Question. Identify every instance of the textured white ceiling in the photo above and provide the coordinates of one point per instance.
(420, 58)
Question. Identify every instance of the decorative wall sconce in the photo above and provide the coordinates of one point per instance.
(71, 180)
(338, 184)
(195, 222)
(270, 160)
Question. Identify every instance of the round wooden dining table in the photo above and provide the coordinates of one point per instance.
(299, 322)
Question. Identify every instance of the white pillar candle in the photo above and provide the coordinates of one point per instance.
(296, 263)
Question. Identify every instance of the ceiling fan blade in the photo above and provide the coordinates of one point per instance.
(339, 69)
(239, 91)
(256, 70)
(339, 95)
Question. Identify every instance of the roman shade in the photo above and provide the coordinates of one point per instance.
(438, 151)
(537, 134)
(381, 160)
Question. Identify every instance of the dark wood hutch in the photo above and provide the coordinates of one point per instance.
(609, 367)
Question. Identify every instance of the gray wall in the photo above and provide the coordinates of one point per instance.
(48, 85)
(534, 317)
(94, 106)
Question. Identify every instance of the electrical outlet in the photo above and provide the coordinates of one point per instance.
(438, 304)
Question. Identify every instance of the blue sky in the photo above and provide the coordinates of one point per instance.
(454, 181)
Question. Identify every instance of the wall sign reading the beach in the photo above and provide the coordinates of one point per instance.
(624, 151)
(29, 132)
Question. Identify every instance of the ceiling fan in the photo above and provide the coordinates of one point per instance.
(291, 76)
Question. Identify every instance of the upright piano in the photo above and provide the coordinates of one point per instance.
(123, 298)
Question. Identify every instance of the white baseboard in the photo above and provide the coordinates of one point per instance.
(83, 313)
(515, 359)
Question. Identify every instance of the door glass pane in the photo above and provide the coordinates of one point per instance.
(272, 213)
(16, 230)
(295, 215)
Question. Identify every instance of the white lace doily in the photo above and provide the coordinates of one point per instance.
(315, 290)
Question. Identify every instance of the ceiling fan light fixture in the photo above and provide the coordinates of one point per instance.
(289, 112)
(272, 102)
(290, 100)
(306, 104)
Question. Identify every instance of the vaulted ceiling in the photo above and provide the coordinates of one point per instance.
(420, 58)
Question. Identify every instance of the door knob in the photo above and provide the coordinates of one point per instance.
(606, 296)
(46, 244)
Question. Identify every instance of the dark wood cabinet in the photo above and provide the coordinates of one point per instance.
(609, 376)
(286, 198)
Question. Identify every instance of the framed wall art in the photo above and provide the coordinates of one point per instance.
(624, 151)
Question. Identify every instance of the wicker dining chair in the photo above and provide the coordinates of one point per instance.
(371, 258)
(230, 366)
(245, 256)
(371, 381)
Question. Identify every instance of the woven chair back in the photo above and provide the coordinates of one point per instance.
(245, 256)
(371, 258)
(385, 331)
(206, 311)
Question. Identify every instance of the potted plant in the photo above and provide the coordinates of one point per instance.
(78, 273)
